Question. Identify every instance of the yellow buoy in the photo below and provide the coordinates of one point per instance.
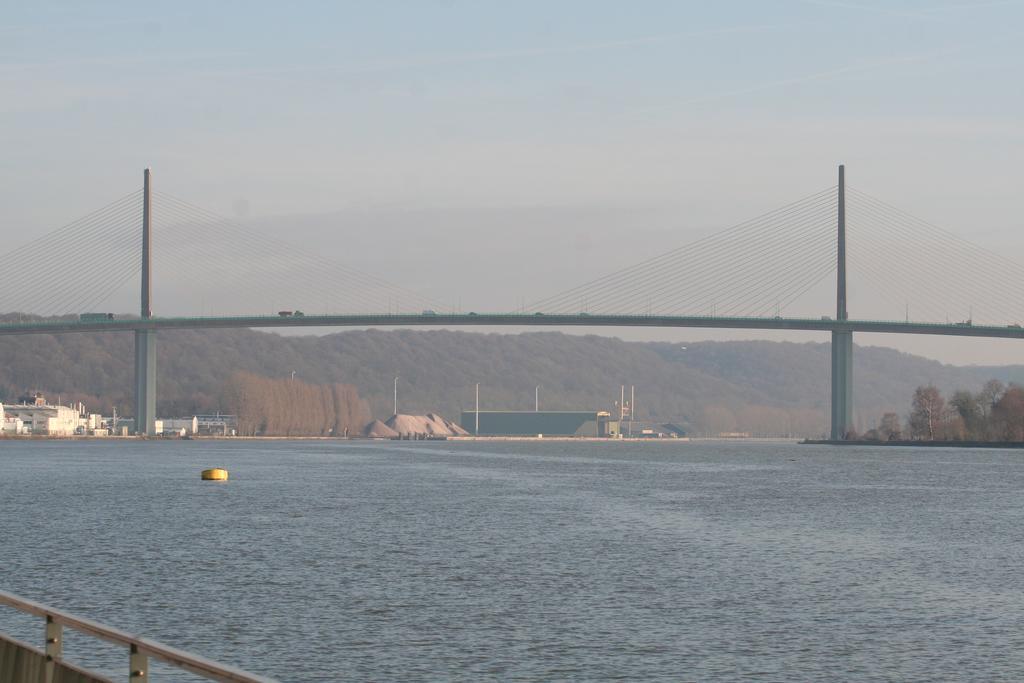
(215, 474)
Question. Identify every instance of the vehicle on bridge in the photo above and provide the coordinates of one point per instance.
(89, 317)
(285, 314)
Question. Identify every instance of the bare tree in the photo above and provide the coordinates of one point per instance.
(289, 407)
(717, 418)
(889, 427)
(927, 413)
(968, 407)
(1008, 414)
(988, 397)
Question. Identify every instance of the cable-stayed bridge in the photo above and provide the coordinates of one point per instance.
(793, 268)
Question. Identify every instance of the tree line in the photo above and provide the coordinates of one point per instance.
(764, 388)
(996, 413)
(290, 407)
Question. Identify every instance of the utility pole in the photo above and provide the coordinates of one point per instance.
(396, 396)
(476, 428)
(536, 399)
(632, 406)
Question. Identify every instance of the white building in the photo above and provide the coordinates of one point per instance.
(38, 417)
(180, 427)
(10, 424)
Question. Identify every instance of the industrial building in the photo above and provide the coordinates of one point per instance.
(32, 415)
(36, 416)
(209, 425)
(586, 423)
(9, 424)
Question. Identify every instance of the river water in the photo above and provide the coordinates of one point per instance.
(397, 561)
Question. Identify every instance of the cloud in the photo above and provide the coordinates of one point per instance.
(427, 61)
(925, 14)
(829, 74)
(123, 60)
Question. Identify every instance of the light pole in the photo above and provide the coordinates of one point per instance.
(632, 407)
(536, 399)
(396, 396)
(476, 428)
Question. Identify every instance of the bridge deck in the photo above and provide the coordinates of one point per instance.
(512, 320)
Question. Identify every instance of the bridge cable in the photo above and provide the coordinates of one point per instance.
(709, 261)
(720, 255)
(275, 261)
(278, 249)
(656, 273)
(725, 254)
(574, 293)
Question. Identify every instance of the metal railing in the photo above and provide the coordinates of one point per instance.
(140, 649)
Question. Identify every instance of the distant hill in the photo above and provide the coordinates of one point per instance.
(757, 386)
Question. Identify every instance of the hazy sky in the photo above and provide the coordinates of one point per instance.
(600, 132)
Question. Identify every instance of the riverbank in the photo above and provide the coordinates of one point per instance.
(918, 444)
(215, 437)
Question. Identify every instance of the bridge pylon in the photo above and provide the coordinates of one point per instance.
(842, 342)
(145, 340)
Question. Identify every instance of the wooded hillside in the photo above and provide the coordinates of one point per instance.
(760, 387)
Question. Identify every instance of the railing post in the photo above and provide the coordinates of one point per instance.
(138, 665)
(54, 646)
(140, 650)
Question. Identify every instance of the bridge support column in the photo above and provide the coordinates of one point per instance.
(145, 382)
(145, 340)
(842, 342)
(842, 385)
